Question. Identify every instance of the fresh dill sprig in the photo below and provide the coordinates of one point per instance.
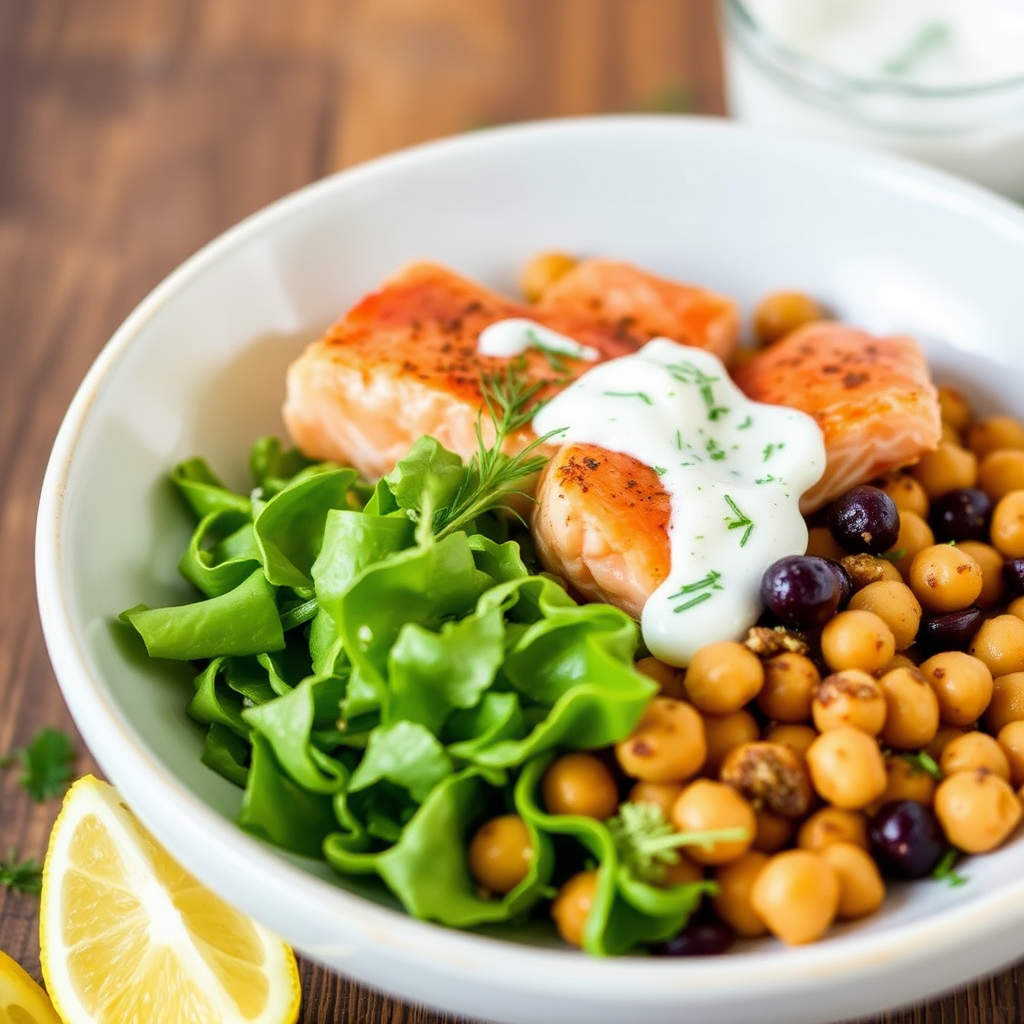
(648, 845)
(945, 870)
(493, 476)
(922, 761)
(21, 875)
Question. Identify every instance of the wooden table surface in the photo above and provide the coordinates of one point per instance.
(133, 131)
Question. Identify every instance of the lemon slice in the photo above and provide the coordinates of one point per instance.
(126, 934)
(22, 1001)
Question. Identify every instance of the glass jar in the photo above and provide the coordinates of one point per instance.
(974, 130)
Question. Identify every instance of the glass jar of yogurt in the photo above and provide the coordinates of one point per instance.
(938, 80)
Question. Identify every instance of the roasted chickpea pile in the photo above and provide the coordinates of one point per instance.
(871, 729)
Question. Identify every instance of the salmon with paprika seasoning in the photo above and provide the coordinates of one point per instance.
(601, 518)
(403, 362)
(872, 397)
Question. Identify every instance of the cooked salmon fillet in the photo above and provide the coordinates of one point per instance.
(403, 362)
(601, 523)
(872, 397)
(623, 297)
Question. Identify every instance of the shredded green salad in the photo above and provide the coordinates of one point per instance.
(382, 672)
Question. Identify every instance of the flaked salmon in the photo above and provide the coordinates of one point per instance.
(601, 523)
(403, 362)
(872, 397)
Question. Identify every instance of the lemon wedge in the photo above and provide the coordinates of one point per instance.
(22, 1001)
(126, 934)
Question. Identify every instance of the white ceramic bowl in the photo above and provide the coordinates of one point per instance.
(198, 367)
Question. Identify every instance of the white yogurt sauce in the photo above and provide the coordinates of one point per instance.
(734, 471)
(939, 43)
(514, 336)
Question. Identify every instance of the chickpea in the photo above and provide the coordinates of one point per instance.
(833, 825)
(669, 679)
(580, 784)
(950, 435)
(1011, 739)
(661, 794)
(857, 639)
(789, 682)
(769, 775)
(542, 271)
(820, 542)
(774, 831)
(977, 810)
(865, 569)
(684, 871)
(944, 578)
(571, 907)
(667, 744)
(954, 408)
(944, 735)
(781, 313)
(705, 805)
(722, 677)
(861, 889)
(732, 902)
(915, 534)
(1006, 530)
(500, 854)
(945, 469)
(907, 494)
(995, 432)
(912, 709)
(1007, 703)
(723, 733)
(962, 685)
(797, 737)
(796, 894)
(1016, 607)
(999, 643)
(895, 604)
(847, 768)
(906, 781)
(851, 697)
(991, 563)
(1001, 471)
(974, 751)
(899, 660)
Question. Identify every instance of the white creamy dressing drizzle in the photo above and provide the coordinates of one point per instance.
(734, 471)
(512, 337)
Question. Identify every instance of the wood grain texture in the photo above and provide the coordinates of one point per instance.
(133, 131)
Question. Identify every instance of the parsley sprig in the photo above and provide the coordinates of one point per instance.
(21, 875)
(648, 845)
(493, 477)
(47, 763)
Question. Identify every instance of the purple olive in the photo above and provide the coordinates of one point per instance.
(950, 632)
(698, 938)
(961, 514)
(1013, 576)
(865, 518)
(907, 837)
(801, 591)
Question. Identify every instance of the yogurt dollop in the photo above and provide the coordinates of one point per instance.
(734, 471)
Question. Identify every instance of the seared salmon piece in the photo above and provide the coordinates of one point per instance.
(872, 397)
(601, 522)
(403, 362)
(625, 298)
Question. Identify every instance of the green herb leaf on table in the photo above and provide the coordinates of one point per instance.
(24, 876)
(47, 762)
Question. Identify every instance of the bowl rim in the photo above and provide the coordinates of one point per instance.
(160, 798)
